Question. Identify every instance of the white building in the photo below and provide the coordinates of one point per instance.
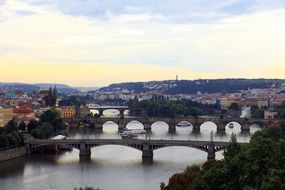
(246, 112)
(127, 96)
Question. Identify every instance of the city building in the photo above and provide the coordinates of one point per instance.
(24, 114)
(246, 112)
(227, 101)
(1, 117)
(270, 114)
(7, 113)
(67, 112)
(83, 111)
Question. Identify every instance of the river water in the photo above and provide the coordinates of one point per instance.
(112, 167)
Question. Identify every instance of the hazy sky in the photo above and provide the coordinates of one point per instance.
(98, 42)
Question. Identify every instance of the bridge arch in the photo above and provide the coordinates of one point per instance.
(134, 124)
(203, 148)
(69, 145)
(111, 111)
(110, 126)
(233, 126)
(208, 126)
(133, 146)
(258, 123)
(191, 123)
(161, 123)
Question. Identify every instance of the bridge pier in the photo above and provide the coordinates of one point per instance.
(196, 128)
(100, 112)
(245, 128)
(172, 129)
(147, 126)
(98, 127)
(221, 127)
(211, 151)
(83, 151)
(122, 112)
(121, 127)
(147, 152)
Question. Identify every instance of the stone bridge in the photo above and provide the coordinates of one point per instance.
(147, 122)
(146, 146)
(101, 109)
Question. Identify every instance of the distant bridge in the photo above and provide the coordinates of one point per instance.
(101, 109)
(172, 122)
(146, 146)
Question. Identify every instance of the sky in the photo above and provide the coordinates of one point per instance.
(99, 42)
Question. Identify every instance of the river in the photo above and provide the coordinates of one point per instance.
(112, 167)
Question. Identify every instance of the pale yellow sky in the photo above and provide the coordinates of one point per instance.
(40, 43)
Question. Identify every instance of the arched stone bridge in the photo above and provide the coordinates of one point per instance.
(146, 146)
(172, 122)
(101, 109)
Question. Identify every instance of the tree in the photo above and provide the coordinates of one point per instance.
(234, 106)
(232, 149)
(43, 132)
(22, 126)
(11, 126)
(33, 124)
(58, 124)
(49, 116)
(257, 113)
(257, 165)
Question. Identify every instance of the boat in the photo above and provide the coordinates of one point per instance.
(137, 131)
(231, 125)
(132, 131)
(183, 124)
(129, 136)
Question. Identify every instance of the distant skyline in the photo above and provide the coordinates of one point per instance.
(99, 42)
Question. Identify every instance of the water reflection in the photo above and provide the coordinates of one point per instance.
(12, 167)
(111, 166)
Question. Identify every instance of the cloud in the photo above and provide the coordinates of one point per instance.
(174, 10)
(88, 74)
(236, 46)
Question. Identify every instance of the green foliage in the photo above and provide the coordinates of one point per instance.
(73, 101)
(33, 124)
(10, 137)
(234, 106)
(50, 122)
(233, 148)
(281, 111)
(43, 132)
(257, 113)
(169, 108)
(22, 126)
(11, 126)
(58, 124)
(49, 116)
(258, 165)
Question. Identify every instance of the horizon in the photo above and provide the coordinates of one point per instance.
(96, 43)
(42, 83)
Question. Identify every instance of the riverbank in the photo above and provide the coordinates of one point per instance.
(12, 153)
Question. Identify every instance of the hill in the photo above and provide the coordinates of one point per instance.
(194, 86)
(62, 88)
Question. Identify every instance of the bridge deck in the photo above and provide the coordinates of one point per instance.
(126, 141)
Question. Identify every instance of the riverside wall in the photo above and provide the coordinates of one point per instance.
(12, 153)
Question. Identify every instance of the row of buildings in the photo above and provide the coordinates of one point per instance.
(23, 107)
(25, 114)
